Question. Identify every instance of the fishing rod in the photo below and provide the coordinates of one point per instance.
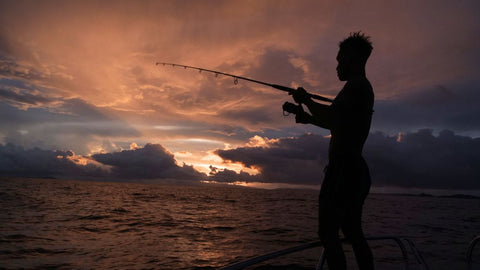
(236, 78)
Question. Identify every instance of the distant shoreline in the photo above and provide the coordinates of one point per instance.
(192, 183)
(456, 196)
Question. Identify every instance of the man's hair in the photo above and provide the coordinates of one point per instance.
(358, 44)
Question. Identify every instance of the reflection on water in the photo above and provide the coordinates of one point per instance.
(73, 224)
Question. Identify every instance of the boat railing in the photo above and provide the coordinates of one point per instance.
(400, 241)
(470, 251)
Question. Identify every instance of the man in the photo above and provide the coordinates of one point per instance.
(347, 178)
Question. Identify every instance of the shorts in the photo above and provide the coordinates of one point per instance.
(345, 186)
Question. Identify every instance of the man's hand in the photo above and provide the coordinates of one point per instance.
(301, 96)
(303, 118)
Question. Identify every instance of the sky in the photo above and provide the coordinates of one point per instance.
(81, 96)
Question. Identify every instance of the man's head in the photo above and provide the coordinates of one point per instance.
(353, 55)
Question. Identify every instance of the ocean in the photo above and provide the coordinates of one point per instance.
(63, 224)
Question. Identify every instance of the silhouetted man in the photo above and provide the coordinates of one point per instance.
(347, 179)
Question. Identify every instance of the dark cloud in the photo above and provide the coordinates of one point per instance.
(19, 94)
(411, 160)
(10, 68)
(440, 107)
(20, 162)
(22, 98)
(289, 160)
(229, 176)
(151, 162)
(418, 159)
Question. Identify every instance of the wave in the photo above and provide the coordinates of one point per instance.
(94, 217)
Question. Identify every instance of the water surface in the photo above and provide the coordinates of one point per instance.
(60, 224)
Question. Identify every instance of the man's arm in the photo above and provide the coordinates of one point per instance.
(321, 114)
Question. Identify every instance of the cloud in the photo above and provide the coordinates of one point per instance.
(108, 52)
(231, 176)
(418, 159)
(10, 68)
(64, 123)
(23, 100)
(288, 160)
(150, 162)
(20, 162)
(440, 107)
(410, 160)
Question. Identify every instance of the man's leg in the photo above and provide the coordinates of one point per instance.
(352, 229)
(328, 228)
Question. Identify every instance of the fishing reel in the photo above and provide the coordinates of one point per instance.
(291, 108)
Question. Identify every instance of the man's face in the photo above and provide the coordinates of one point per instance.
(343, 66)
